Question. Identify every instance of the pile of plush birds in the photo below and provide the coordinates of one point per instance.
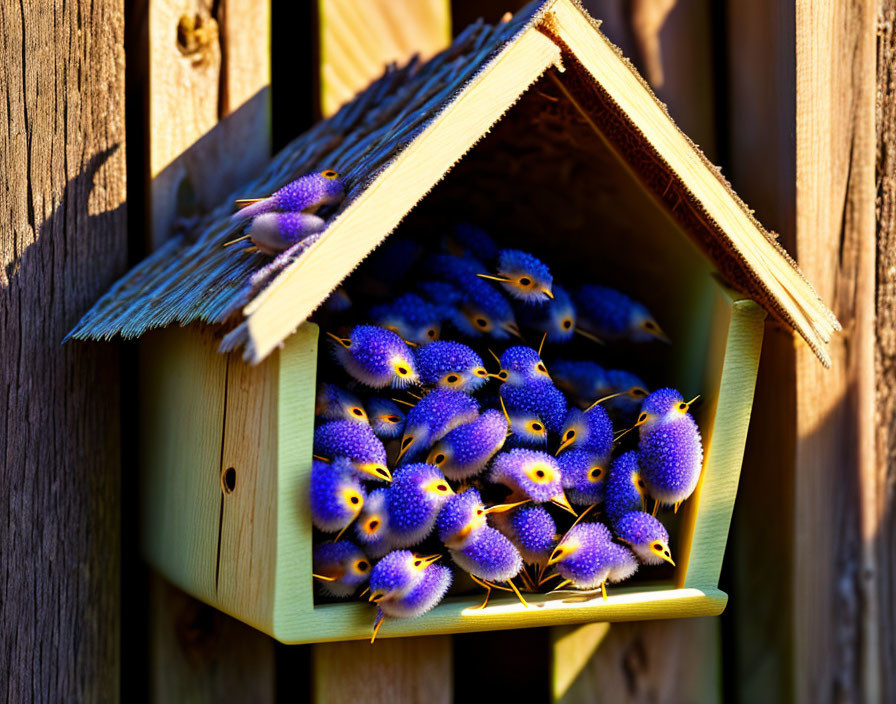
(527, 478)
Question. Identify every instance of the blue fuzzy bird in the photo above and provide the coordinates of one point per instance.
(433, 417)
(584, 476)
(590, 430)
(532, 530)
(646, 536)
(376, 357)
(530, 474)
(584, 556)
(340, 567)
(413, 502)
(466, 240)
(336, 495)
(612, 315)
(335, 403)
(670, 448)
(624, 489)
(356, 441)
(628, 391)
(587, 381)
(372, 526)
(542, 401)
(409, 316)
(521, 366)
(523, 276)
(405, 585)
(444, 297)
(386, 418)
(306, 194)
(556, 318)
(483, 311)
(465, 451)
(451, 365)
(483, 552)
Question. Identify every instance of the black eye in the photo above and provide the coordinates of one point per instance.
(641, 483)
(479, 511)
(536, 427)
(525, 281)
(355, 500)
(406, 442)
(362, 566)
(567, 324)
(358, 412)
(682, 406)
(439, 459)
(540, 474)
(442, 487)
(649, 324)
(482, 322)
(642, 417)
(502, 374)
(329, 173)
(392, 419)
(452, 379)
(402, 371)
(597, 472)
(657, 546)
(569, 434)
(541, 367)
(417, 563)
(373, 525)
(430, 333)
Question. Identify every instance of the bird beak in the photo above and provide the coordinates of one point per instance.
(501, 508)
(556, 556)
(588, 336)
(377, 471)
(561, 501)
(481, 371)
(547, 292)
(427, 561)
(404, 447)
(689, 403)
(669, 560)
(494, 278)
(376, 596)
(565, 444)
(323, 578)
(513, 330)
(659, 334)
(345, 342)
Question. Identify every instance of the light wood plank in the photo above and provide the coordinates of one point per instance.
(358, 40)
(63, 241)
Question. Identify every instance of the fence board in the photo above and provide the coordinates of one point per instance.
(62, 243)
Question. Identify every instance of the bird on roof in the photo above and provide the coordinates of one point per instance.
(646, 536)
(450, 365)
(555, 318)
(483, 311)
(584, 476)
(375, 357)
(340, 567)
(372, 526)
(356, 441)
(433, 417)
(410, 317)
(590, 430)
(523, 275)
(670, 448)
(336, 495)
(624, 489)
(334, 403)
(584, 556)
(413, 502)
(483, 552)
(304, 195)
(405, 585)
(530, 474)
(465, 451)
(386, 418)
(612, 315)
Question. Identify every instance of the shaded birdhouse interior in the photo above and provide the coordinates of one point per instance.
(545, 180)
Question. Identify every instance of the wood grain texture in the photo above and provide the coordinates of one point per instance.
(882, 479)
(837, 518)
(358, 40)
(209, 76)
(62, 242)
(414, 670)
(633, 664)
(201, 655)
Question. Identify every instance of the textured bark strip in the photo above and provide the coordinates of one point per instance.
(884, 474)
(62, 243)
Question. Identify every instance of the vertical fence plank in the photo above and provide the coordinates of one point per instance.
(208, 130)
(62, 243)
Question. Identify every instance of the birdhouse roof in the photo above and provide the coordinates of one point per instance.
(398, 138)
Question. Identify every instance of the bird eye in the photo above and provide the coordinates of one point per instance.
(503, 375)
(357, 412)
(540, 474)
(525, 281)
(567, 323)
(640, 483)
(657, 546)
(569, 435)
(330, 174)
(355, 499)
(649, 325)
(372, 525)
(596, 474)
(542, 368)
(391, 419)
(362, 565)
(452, 379)
(682, 407)
(480, 511)
(637, 392)
(535, 426)
(402, 371)
(642, 418)
(442, 487)
(406, 442)
(439, 458)
(417, 563)
(431, 334)
(482, 323)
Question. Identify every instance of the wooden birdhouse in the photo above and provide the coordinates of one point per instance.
(536, 128)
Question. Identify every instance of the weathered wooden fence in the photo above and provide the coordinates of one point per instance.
(795, 100)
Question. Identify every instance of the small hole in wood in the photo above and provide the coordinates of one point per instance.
(228, 480)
